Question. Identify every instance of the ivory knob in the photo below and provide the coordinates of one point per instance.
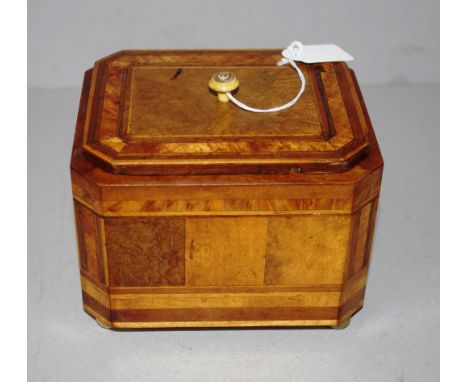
(222, 83)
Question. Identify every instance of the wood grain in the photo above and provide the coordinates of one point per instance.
(228, 289)
(226, 300)
(90, 244)
(225, 314)
(360, 239)
(263, 248)
(151, 112)
(361, 245)
(306, 250)
(133, 127)
(225, 251)
(145, 251)
(221, 324)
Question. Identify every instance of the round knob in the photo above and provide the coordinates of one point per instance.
(223, 82)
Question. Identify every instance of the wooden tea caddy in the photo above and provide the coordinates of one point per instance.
(195, 213)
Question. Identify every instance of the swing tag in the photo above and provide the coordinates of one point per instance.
(315, 53)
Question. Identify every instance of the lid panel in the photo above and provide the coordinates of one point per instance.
(159, 94)
(153, 113)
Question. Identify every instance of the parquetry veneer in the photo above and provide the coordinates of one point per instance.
(195, 213)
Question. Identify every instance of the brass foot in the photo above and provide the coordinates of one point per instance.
(343, 325)
(103, 324)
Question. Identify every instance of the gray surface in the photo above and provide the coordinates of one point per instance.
(393, 41)
(394, 338)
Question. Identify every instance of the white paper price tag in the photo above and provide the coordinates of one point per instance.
(315, 53)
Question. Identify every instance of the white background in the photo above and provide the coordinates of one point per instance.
(389, 340)
(392, 41)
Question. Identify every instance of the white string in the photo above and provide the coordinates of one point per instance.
(289, 54)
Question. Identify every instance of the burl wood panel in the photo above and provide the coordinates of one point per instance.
(145, 251)
(306, 250)
(151, 112)
(225, 251)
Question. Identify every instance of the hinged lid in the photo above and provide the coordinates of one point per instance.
(151, 112)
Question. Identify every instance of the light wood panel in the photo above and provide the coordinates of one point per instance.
(225, 251)
(226, 300)
(306, 250)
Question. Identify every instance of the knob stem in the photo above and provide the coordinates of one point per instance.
(222, 83)
(222, 97)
